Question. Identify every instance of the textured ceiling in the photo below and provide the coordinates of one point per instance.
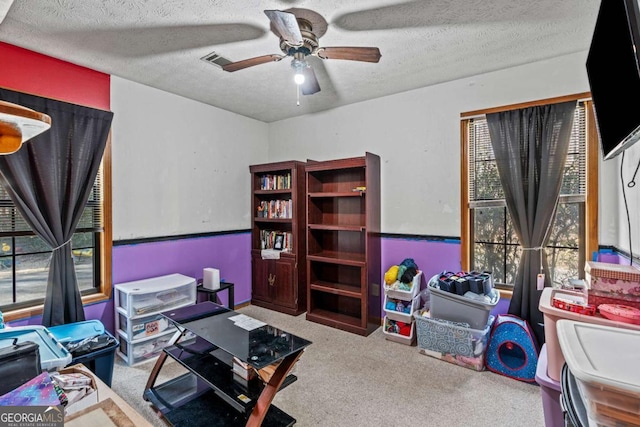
(160, 42)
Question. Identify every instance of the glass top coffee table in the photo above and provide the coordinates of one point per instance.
(210, 393)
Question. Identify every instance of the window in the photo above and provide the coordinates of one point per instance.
(24, 257)
(489, 242)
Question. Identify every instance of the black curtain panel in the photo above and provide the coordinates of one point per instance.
(50, 179)
(531, 147)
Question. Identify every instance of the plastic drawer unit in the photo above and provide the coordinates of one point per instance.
(154, 295)
(142, 330)
(143, 327)
(142, 350)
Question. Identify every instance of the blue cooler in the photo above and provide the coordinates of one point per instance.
(100, 361)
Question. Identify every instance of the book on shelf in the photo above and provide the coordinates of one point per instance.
(275, 182)
(275, 209)
(268, 238)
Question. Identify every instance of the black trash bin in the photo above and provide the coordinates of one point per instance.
(97, 350)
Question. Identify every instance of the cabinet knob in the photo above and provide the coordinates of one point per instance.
(271, 279)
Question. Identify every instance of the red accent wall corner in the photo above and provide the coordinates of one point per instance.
(31, 72)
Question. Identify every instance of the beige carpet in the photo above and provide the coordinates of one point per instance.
(349, 380)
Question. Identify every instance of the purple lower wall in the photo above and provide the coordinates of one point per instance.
(230, 253)
(431, 256)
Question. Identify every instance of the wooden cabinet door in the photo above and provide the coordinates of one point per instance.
(262, 272)
(285, 283)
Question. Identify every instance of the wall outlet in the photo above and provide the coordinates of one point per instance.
(375, 289)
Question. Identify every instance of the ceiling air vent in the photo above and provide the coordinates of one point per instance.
(215, 59)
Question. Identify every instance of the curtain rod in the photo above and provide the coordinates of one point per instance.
(584, 96)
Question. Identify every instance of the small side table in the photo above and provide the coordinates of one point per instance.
(213, 292)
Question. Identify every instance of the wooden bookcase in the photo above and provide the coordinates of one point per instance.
(343, 243)
(278, 208)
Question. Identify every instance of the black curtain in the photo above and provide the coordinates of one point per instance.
(531, 147)
(50, 179)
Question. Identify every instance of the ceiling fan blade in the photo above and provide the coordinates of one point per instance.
(366, 54)
(246, 63)
(310, 85)
(286, 24)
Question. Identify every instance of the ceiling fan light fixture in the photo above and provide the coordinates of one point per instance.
(18, 124)
(298, 77)
(298, 65)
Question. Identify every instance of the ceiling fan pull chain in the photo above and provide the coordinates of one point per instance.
(298, 95)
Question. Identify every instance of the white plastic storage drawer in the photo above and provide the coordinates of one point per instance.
(142, 327)
(392, 334)
(146, 349)
(395, 290)
(155, 295)
(408, 307)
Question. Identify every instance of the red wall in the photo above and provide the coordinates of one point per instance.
(27, 71)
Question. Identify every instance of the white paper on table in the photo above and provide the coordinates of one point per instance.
(247, 323)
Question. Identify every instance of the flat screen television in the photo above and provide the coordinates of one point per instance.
(613, 72)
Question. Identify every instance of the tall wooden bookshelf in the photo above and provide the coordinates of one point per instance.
(278, 209)
(343, 243)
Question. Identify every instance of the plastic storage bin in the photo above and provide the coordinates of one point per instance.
(143, 327)
(550, 392)
(394, 291)
(403, 316)
(53, 355)
(450, 337)
(604, 360)
(154, 295)
(457, 308)
(100, 361)
(143, 350)
(397, 337)
(551, 314)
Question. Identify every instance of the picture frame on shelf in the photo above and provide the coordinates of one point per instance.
(278, 242)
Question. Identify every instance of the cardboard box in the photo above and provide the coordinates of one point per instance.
(596, 298)
(87, 400)
(613, 278)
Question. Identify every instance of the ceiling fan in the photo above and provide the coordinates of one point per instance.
(299, 39)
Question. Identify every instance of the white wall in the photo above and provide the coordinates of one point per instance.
(417, 135)
(179, 166)
(631, 159)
